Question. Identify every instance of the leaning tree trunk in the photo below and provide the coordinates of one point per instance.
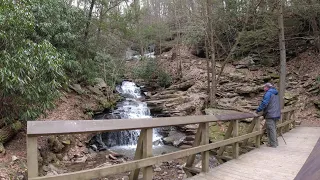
(7, 132)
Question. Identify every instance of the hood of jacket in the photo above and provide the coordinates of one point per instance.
(273, 91)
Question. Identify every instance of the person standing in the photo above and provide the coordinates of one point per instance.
(270, 106)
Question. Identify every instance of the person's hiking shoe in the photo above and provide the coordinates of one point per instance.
(268, 145)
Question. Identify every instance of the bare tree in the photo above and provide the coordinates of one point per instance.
(282, 47)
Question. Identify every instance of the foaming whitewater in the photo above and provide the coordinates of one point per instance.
(130, 108)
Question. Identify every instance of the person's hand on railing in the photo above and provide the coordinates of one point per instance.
(257, 114)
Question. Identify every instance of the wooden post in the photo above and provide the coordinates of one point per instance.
(235, 134)
(294, 118)
(227, 136)
(138, 155)
(282, 119)
(287, 127)
(147, 152)
(191, 158)
(250, 130)
(258, 128)
(32, 157)
(205, 140)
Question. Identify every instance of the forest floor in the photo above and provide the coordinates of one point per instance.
(69, 107)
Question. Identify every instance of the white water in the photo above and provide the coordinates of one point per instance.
(130, 108)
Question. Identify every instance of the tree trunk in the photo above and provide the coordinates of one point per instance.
(208, 69)
(210, 32)
(86, 32)
(7, 132)
(99, 26)
(282, 47)
(315, 28)
(178, 28)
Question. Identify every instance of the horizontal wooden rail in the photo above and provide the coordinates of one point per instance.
(128, 166)
(39, 128)
(143, 156)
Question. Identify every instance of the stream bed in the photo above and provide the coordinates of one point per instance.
(131, 107)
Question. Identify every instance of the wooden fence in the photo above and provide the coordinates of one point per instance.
(143, 155)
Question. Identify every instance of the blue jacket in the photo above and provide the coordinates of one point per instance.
(270, 105)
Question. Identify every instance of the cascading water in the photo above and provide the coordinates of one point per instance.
(130, 108)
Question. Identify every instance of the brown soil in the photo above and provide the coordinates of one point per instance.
(68, 107)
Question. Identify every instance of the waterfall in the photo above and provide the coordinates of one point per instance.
(130, 108)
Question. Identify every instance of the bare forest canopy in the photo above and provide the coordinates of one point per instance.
(46, 44)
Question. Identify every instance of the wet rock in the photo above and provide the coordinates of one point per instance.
(185, 146)
(178, 142)
(190, 132)
(190, 138)
(188, 143)
(174, 138)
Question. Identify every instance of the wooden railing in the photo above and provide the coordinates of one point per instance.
(143, 155)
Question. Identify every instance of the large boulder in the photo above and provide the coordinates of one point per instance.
(244, 63)
(77, 88)
(248, 90)
(100, 83)
(175, 138)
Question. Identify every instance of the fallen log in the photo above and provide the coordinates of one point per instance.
(7, 132)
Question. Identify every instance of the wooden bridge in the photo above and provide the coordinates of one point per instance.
(279, 163)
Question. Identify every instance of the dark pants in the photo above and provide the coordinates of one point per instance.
(272, 132)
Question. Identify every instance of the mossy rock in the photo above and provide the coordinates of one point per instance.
(274, 76)
(215, 134)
